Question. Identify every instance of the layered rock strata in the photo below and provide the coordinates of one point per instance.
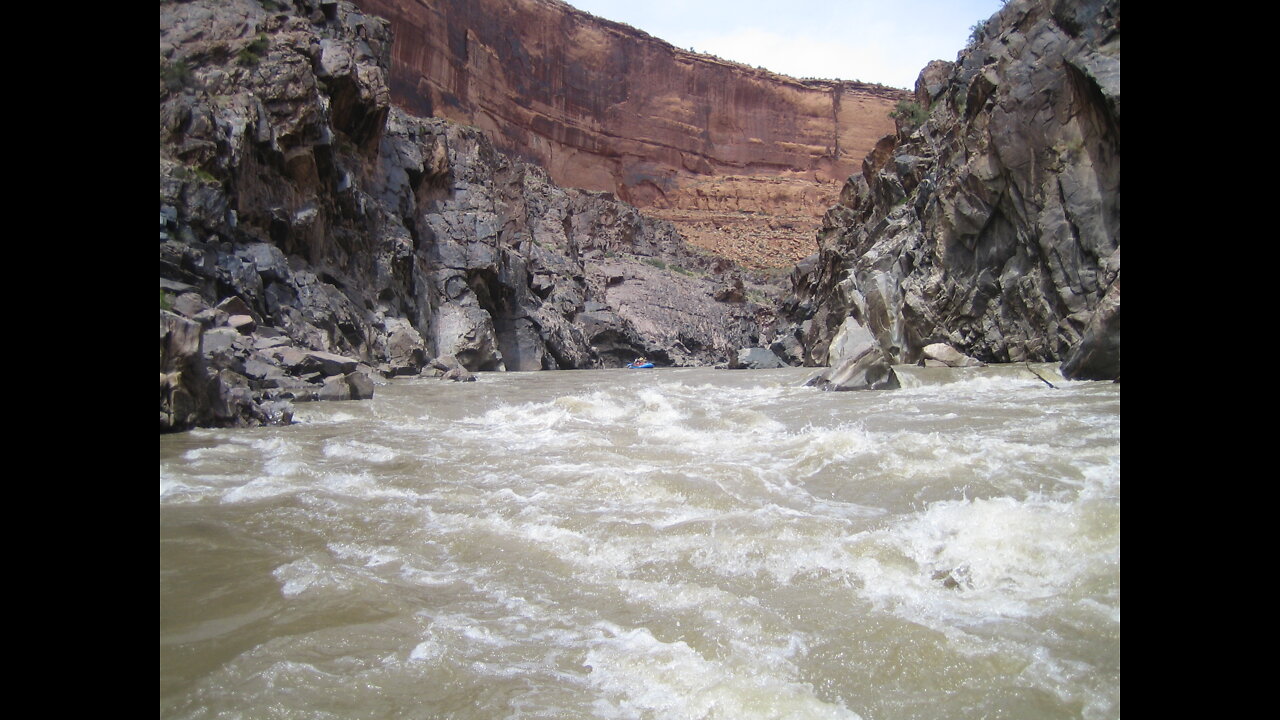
(994, 225)
(743, 160)
(289, 184)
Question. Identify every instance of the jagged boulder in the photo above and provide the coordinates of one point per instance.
(857, 362)
(459, 375)
(214, 374)
(230, 400)
(351, 386)
(868, 369)
(204, 384)
(1097, 357)
(182, 380)
(404, 348)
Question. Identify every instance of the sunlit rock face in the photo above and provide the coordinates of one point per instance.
(743, 160)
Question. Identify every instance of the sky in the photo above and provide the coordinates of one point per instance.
(879, 41)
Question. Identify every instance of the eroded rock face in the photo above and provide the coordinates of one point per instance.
(743, 160)
(305, 220)
(995, 225)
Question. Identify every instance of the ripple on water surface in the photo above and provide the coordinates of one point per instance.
(679, 544)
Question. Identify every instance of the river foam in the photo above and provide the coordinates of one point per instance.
(668, 544)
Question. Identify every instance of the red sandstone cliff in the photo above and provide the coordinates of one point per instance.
(744, 160)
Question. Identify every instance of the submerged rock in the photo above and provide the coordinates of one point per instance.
(459, 375)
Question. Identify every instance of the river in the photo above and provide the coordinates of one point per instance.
(667, 544)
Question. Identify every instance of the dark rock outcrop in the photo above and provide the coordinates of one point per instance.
(994, 225)
(329, 224)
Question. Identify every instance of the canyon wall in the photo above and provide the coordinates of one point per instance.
(313, 238)
(993, 224)
(743, 160)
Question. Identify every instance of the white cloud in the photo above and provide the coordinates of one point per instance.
(880, 41)
(808, 56)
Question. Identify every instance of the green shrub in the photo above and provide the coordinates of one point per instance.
(176, 75)
(977, 31)
(910, 112)
(251, 54)
(193, 173)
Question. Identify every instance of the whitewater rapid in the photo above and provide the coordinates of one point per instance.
(671, 543)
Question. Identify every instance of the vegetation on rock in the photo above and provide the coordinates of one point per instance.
(251, 54)
(910, 114)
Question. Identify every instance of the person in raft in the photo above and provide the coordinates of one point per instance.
(638, 362)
